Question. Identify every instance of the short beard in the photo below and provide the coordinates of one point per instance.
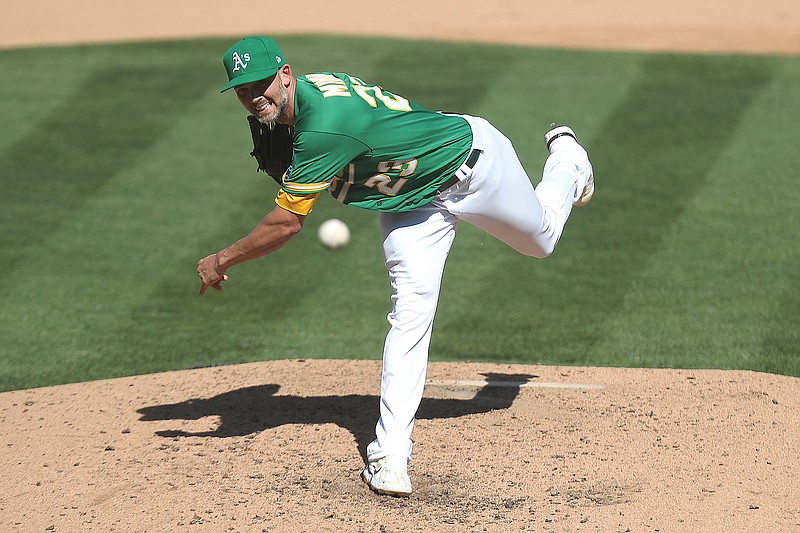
(280, 109)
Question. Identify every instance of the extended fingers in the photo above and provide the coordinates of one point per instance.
(216, 285)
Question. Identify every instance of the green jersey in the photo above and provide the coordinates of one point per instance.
(368, 147)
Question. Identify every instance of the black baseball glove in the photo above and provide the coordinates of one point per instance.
(272, 148)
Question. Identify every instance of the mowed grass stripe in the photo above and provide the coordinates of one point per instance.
(650, 162)
(657, 151)
(708, 297)
(496, 304)
(680, 119)
(109, 120)
(35, 86)
(79, 282)
(773, 196)
(54, 254)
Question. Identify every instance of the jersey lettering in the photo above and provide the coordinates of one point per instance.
(329, 85)
(392, 101)
(345, 177)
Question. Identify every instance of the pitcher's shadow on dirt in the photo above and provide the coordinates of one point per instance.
(253, 409)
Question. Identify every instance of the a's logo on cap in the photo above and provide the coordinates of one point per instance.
(240, 61)
(278, 59)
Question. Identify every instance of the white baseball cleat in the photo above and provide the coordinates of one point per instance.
(588, 190)
(556, 132)
(388, 475)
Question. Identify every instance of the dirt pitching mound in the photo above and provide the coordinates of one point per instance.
(277, 446)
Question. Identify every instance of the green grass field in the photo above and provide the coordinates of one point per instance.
(122, 165)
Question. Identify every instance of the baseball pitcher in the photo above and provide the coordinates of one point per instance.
(423, 172)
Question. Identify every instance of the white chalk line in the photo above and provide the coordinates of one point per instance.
(515, 384)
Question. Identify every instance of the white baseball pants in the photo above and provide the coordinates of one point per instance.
(496, 196)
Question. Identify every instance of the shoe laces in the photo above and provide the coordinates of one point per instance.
(392, 463)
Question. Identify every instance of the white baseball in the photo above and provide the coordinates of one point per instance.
(333, 234)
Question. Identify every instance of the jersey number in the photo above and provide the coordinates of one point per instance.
(383, 182)
(392, 101)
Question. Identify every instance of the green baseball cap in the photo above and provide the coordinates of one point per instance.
(252, 59)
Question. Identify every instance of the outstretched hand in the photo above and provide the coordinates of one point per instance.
(210, 273)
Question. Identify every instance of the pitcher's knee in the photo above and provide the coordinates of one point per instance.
(541, 253)
(414, 304)
(539, 248)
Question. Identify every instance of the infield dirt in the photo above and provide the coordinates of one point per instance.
(277, 446)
